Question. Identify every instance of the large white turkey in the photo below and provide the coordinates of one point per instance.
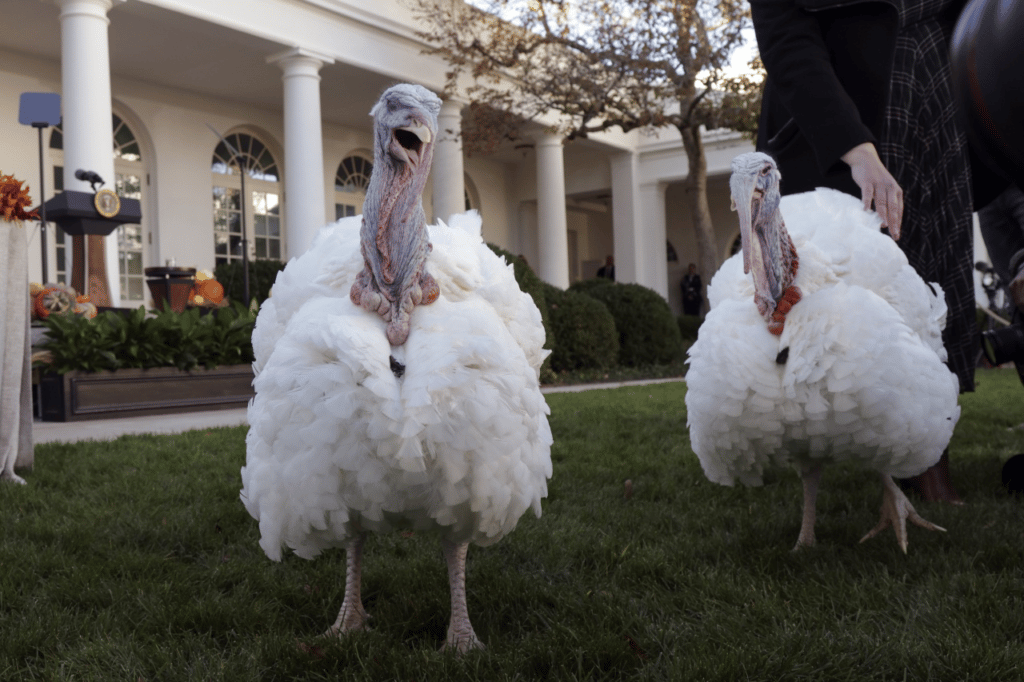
(822, 345)
(397, 380)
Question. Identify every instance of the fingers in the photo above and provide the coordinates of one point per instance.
(878, 187)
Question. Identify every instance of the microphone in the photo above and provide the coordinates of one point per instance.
(89, 176)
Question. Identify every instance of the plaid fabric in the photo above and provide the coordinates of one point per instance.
(926, 151)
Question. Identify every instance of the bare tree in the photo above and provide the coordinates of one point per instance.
(601, 64)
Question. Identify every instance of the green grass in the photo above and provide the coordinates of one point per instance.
(134, 560)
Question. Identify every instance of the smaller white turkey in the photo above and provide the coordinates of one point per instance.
(822, 345)
(397, 380)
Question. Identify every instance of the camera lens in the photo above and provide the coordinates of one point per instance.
(1003, 345)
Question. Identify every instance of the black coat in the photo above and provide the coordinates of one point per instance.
(829, 62)
(828, 66)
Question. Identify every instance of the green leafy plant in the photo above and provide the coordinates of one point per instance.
(648, 331)
(184, 340)
(262, 274)
(688, 326)
(584, 331)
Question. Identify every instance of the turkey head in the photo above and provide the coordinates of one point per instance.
(394, 231)
(768, 251)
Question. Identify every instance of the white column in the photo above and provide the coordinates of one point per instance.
(552, 232)
(652, 218)
(448, 175)
(305, 206)
(85, 88)
(638, 226)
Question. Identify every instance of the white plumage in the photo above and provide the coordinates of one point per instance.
(864, 380)
(446, 432)
(460, 444)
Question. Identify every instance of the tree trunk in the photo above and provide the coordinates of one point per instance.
(696, 186)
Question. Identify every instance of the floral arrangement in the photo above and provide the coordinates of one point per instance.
(58, 299)
(14, 200)
(206, 292)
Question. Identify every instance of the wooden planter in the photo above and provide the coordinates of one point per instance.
(77, 395)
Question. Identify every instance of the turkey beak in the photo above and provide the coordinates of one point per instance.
(742, 198)
(756, 231)
(410, 142)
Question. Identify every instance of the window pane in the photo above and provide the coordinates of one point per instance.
(274, 226)
(275, 249)
(134, 264)
(260, 224)
(261, 248)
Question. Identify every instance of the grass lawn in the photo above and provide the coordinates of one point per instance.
(134, 560)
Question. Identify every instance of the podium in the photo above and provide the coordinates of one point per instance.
(89, 217)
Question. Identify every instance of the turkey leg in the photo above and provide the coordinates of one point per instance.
(460, 631)
(811, 478)
(352, 615)
(896, 509)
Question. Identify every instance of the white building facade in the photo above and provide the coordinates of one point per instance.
(166, 99)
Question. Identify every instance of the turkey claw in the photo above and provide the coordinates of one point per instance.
(895, 511)
(462, 644)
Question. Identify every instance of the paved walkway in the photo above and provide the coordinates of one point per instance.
(109, 429)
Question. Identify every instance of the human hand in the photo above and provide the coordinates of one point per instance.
(876, 185)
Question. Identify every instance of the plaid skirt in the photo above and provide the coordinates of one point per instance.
(925, 148)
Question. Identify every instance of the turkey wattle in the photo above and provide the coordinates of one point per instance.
(397, 385)
(822, 345)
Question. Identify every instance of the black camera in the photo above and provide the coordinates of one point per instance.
(1006, 344)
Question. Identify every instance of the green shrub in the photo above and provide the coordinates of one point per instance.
(648, 331)
(531, 284)
(185, 340)
(585, 286)
(585, 335)
(688, 326)
(262, 274)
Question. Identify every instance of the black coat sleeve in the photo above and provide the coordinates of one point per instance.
(801, 74)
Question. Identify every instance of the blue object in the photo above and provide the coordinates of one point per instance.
(39, 109)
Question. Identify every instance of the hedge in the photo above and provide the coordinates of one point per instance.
(584, 330)
(648, 331)
(262, 274)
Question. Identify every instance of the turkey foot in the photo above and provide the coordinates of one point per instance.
(934, 485)
(12, 477)
(461, 637)
(352, 616)
(811, 478)
(896, 509)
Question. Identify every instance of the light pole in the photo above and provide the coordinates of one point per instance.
(40, 110)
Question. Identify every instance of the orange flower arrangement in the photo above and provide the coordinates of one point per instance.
(14, 200)
(206, 291)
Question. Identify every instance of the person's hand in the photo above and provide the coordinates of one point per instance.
(876, 185)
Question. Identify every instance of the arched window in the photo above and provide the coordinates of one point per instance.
(263, 229)
(129, 171)
(350, 183)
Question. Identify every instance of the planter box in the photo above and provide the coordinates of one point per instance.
(77, 396)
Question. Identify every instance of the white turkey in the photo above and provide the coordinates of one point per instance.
(822, 345)
(397, 380)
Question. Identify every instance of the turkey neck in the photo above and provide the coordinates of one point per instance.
(394, 231)
(778, 256)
